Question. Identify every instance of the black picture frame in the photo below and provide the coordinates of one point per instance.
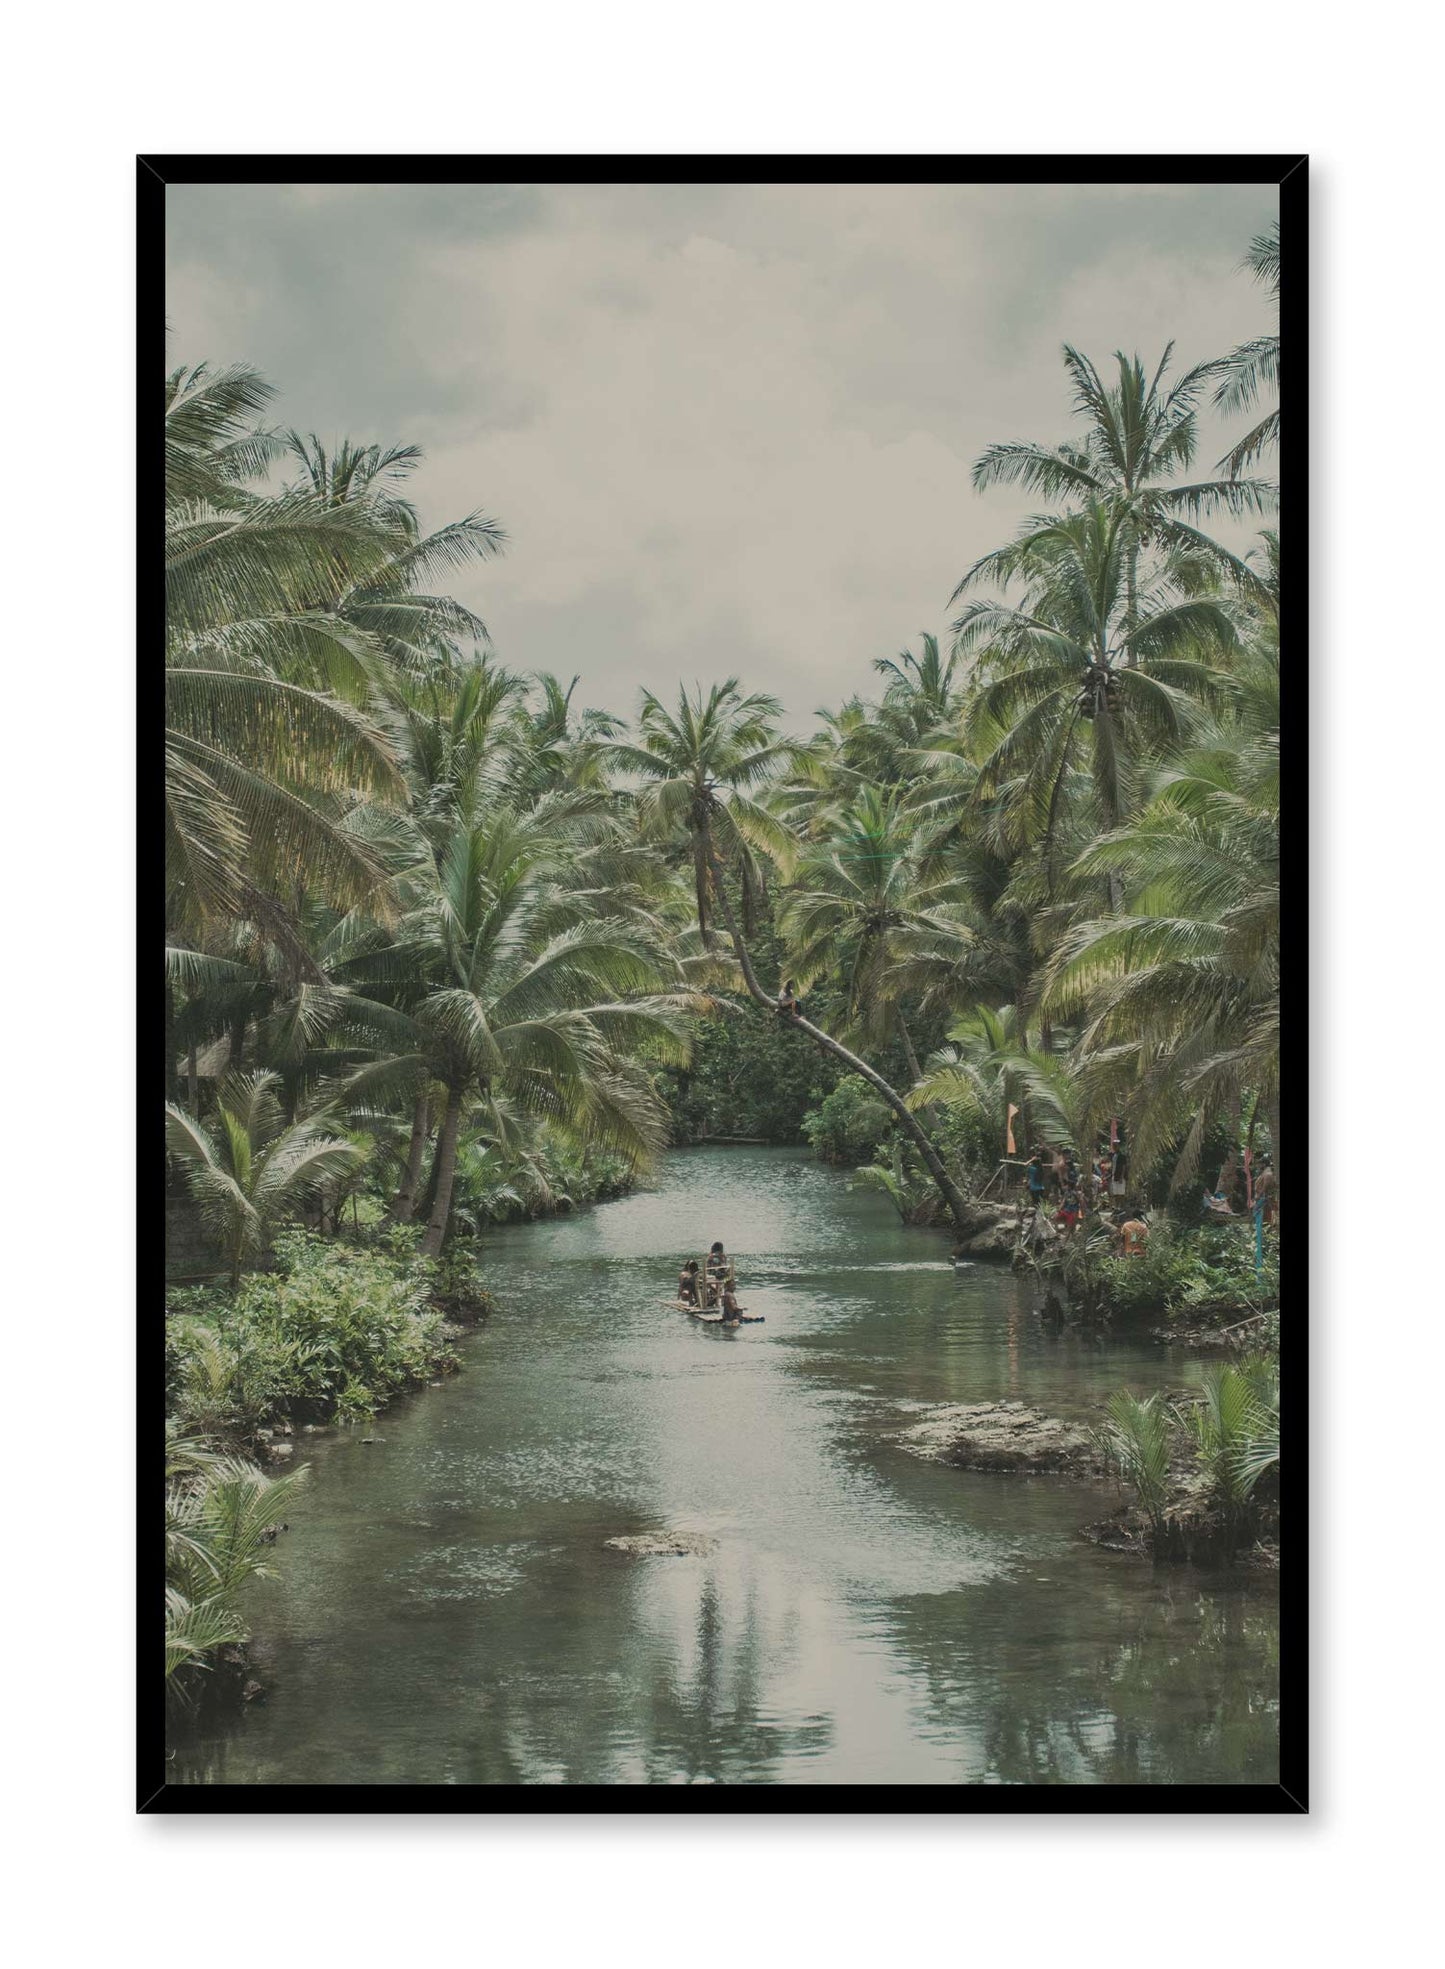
(1290, 172)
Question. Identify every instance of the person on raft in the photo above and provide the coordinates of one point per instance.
(687, 1283)
(732, 1312)
(717, 1258)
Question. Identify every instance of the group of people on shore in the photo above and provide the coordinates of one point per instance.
(711, 1287)
(1068, 1197)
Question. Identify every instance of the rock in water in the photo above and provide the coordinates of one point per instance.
(1004, 1436)
(665, 1544)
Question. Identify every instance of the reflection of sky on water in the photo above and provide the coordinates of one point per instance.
(447, 1611)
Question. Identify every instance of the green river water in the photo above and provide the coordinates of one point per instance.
(446, 1610)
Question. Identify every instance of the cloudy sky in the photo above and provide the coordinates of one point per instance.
(727, 428)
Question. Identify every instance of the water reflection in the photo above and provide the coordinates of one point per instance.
(448, 1611)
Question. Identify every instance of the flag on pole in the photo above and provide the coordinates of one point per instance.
(1009, 1130)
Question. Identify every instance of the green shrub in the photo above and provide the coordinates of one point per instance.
(1156, 1279)
(456, 1284)
(336, 1329)
(750, 1074)
(1181, 1270)
(851, 1124)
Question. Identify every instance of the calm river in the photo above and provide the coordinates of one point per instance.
(446, 1611)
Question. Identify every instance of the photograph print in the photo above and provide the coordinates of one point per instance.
(722, 1021)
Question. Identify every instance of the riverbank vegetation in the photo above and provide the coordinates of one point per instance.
(446, 946)
(1203, 1471)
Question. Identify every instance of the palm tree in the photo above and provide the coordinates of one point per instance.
(212, 442)
(922, 694)
(556, 745)
(863, 904)
(270, 736)
(500, 985)
(252, 1169)
(1252, 370)
(986, 1067)
(1081, 677)
(417, 630)
(221, 1515)
(1139, 437)
(1182, 992)
(697, 770)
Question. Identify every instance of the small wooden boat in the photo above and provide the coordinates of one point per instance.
(712, 1318)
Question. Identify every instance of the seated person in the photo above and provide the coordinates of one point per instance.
(731, 1310)
(789, 1004)
(687, 1283)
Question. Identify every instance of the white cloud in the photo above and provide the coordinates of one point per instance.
(727, 428)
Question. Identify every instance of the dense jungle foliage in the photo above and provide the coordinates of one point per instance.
(446, 945)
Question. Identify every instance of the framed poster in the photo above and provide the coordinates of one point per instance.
(722, 1027)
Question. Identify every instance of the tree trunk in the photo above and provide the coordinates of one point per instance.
(950, 1192)
(238, 1044)
(908, 1053)
(1271, 1109)
(193, 1083)
(173, 1089)
(403, 1205)
(445, 1167)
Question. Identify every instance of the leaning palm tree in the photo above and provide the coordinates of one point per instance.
(699, 769)
(865, 901)
(250, 1170)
